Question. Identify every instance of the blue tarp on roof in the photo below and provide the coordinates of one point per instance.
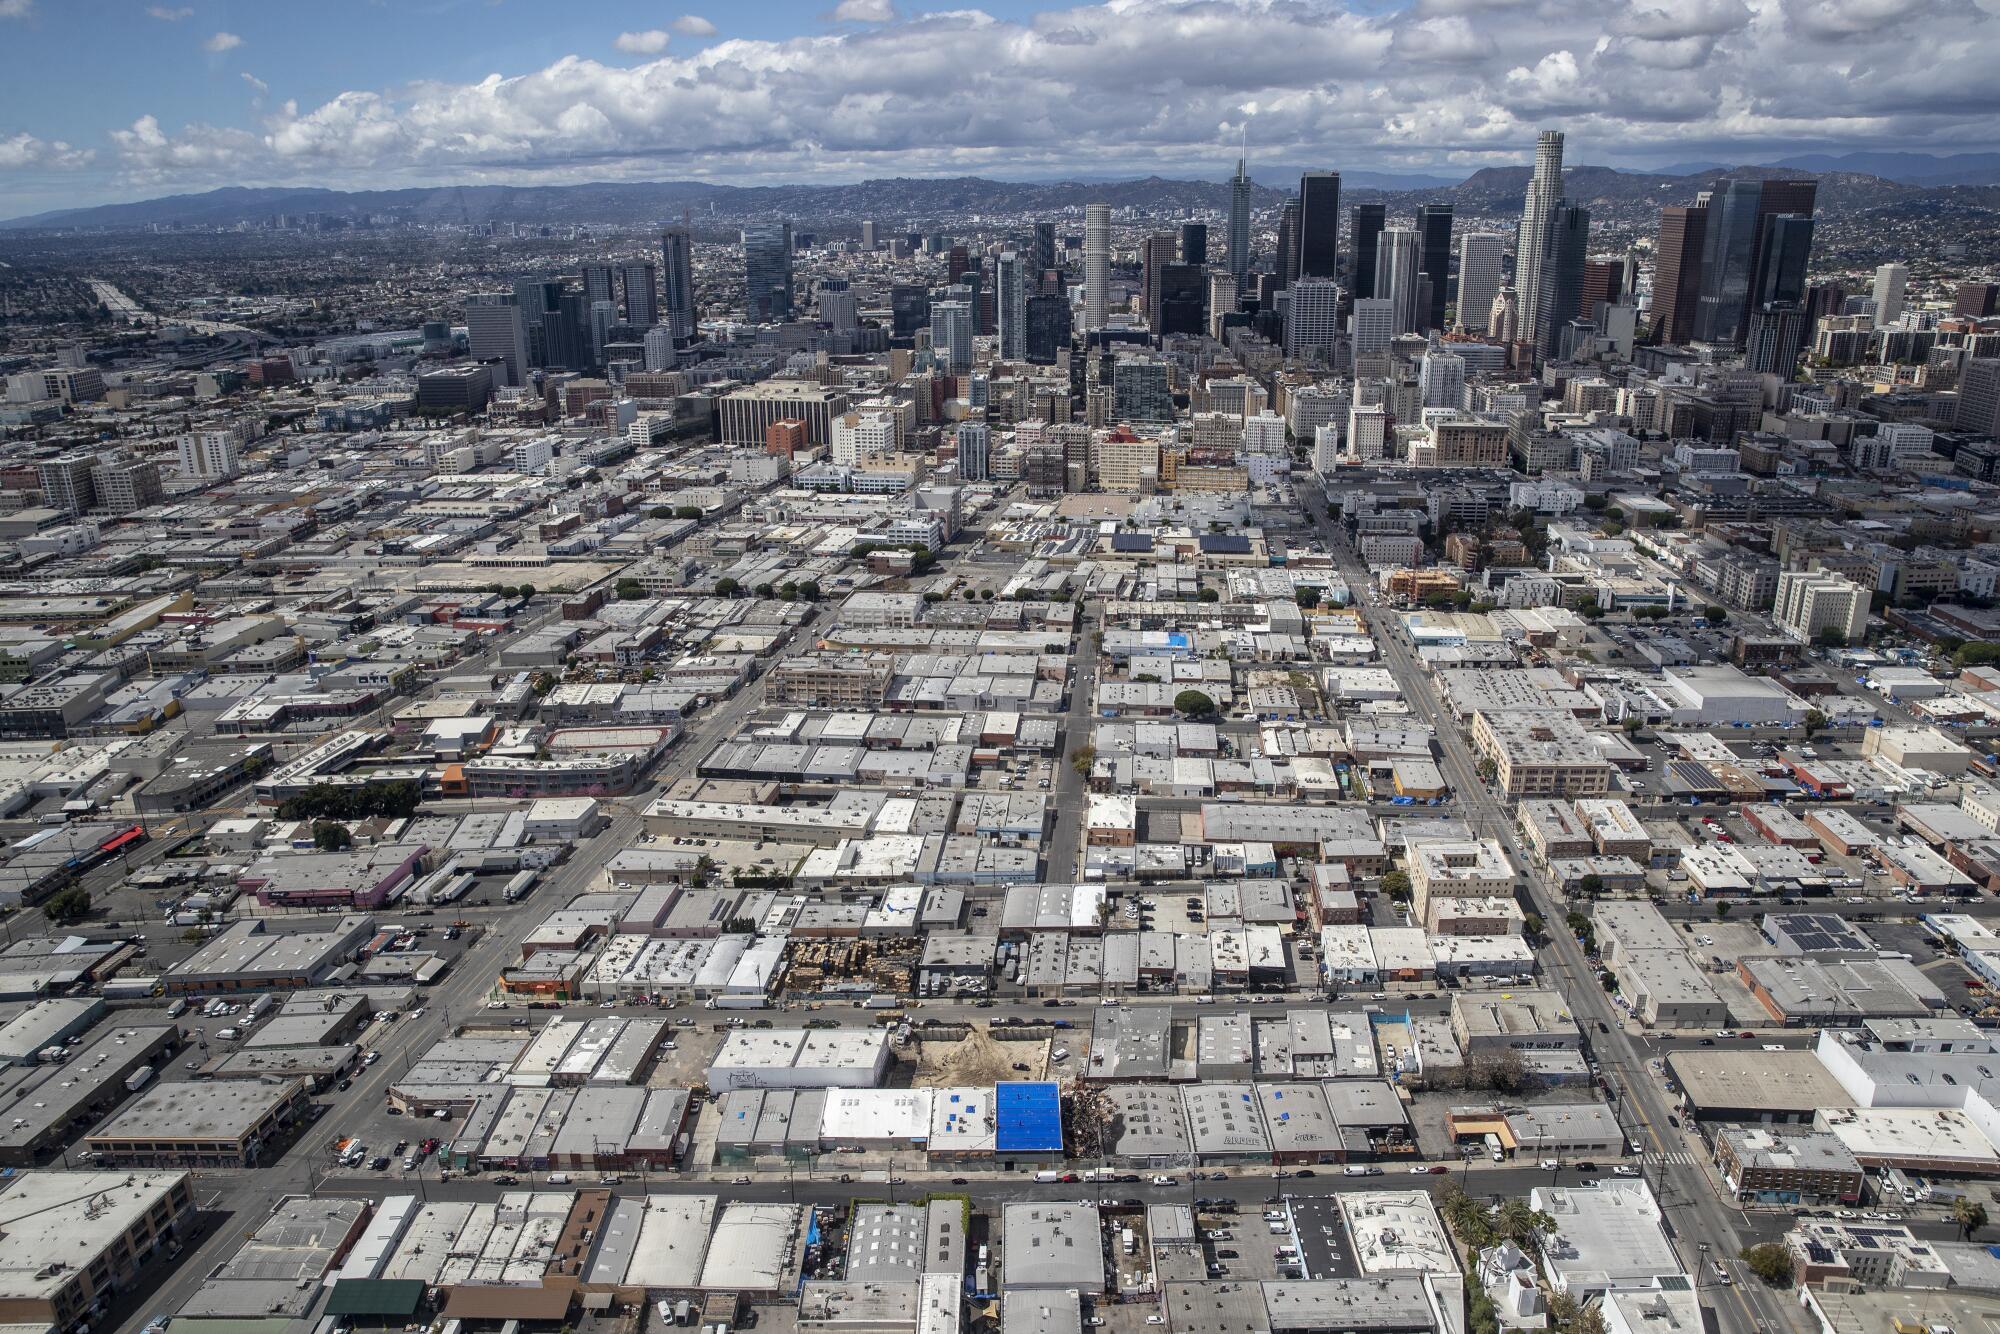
(1027, 1118)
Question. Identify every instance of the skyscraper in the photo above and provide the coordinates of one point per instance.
(1531, 241)
(640, 281)
(1677, 271)
(1010, 295)
(1373, 326)
(1782, 255)
(1565, 243)
(1776, 337)
(1890, 279)
(1365, 225)
(1048, 328)
(1182, 298)
(1728, 255)
(951, 333)
(1434, 226)
(1288, 243)
(1312, 319)
(909, 309)
(1397, 264)
(1319, 225)
(677, 281)
(1097, 264)
(767, 271)
(1194, 243)
(1155, 253)
(1239, 224)
(597, 280)
(867, 234)
(1042, 253)
(1479, 259)
(494, 332)
(1442, 379)
(974, 438)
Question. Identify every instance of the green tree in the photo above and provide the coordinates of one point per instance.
(1715, 615)
(1722, 908)
(629, 590)
(526, 592)
(332, 836)
(1633, 726)
(1396, 884)
(1969, 1215)
(1208, 595)
(1083, 759)
(687, 511)
(1193, 704)
(1832, 637)
(67, 905)
(1591, 885)
(1532, 925)
(1813, 722)
(1769, 1261)
(726, 587)
(660, 512)
(1306, 597)
(809, 591)
(789, 591)
(767, 589)
(1521, 1223)
(1595, 503)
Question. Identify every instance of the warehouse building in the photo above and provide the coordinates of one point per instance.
(801, 1058)
(71, 1242)
(227, 1123)
(46, 1104)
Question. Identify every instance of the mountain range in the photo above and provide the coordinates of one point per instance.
(914, 202)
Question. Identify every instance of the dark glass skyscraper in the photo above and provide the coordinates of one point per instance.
(1365, 237)
(767, 270)
(1183, 296)
(1288, 243)
(1042, 253)
(677, 281)
(1729, 253)
(1566, 243)
(1319, 225)
(642, 294)
(909, 309)
(1048, 328)
(1194, 243)
(1434, 229)
(1677, 272)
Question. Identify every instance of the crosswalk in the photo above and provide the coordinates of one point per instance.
(1673, 1157)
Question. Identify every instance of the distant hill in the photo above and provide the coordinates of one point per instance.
(1907, 168)
(917, 202)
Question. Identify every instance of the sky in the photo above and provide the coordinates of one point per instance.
(106, 100)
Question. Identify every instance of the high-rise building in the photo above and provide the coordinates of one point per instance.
(1182, 297)
(126, 485)
(600, 319)
(1398, 262)
(1441, 378)
(867, 234)
(1222, 301)
(1677, 253)
(1288, 244)
(597, 284)
(677, 281)
(1194, 243)
(67, 483)
(1434, 226)
(909, 309)
(839, 307)
(1812, 603)
(1312, 320)
(1048, 317)
(1890, 279)
(767, 272)
(1480, 255)
(1155, 253)
(1239, 224)
(1042, 253)
(957, 263)
(1776, 337)
(1976, 300)
(1756, 239)
(1531, 242)
(1367, 428)
(496, 332)
(1365, 223)
(1565, 244)
(1141, 390)
(951, 333)
(1319, 225)
(1096, 265)
(1783, 251)
(974, 443)
(641, 283)
(1010, 297)
(1372, 326)
(1503, 321)
(1979, 396)
(658, 348)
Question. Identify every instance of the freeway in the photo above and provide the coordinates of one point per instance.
(1706, 1232)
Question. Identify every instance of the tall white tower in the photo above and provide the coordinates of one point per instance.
(1531, 243)
(1096, 264)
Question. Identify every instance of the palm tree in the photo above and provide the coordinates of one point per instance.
(1969, 1215)
(1522, 1224)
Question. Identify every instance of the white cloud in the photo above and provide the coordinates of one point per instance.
(24, 151)
(694, 25)
(222, 41)
(16, 9)
(166, 15)
(1142, 86)
(648, 43)
(257, 85)
(864, 11)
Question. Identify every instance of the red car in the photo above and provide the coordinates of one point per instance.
(1439, 1169)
